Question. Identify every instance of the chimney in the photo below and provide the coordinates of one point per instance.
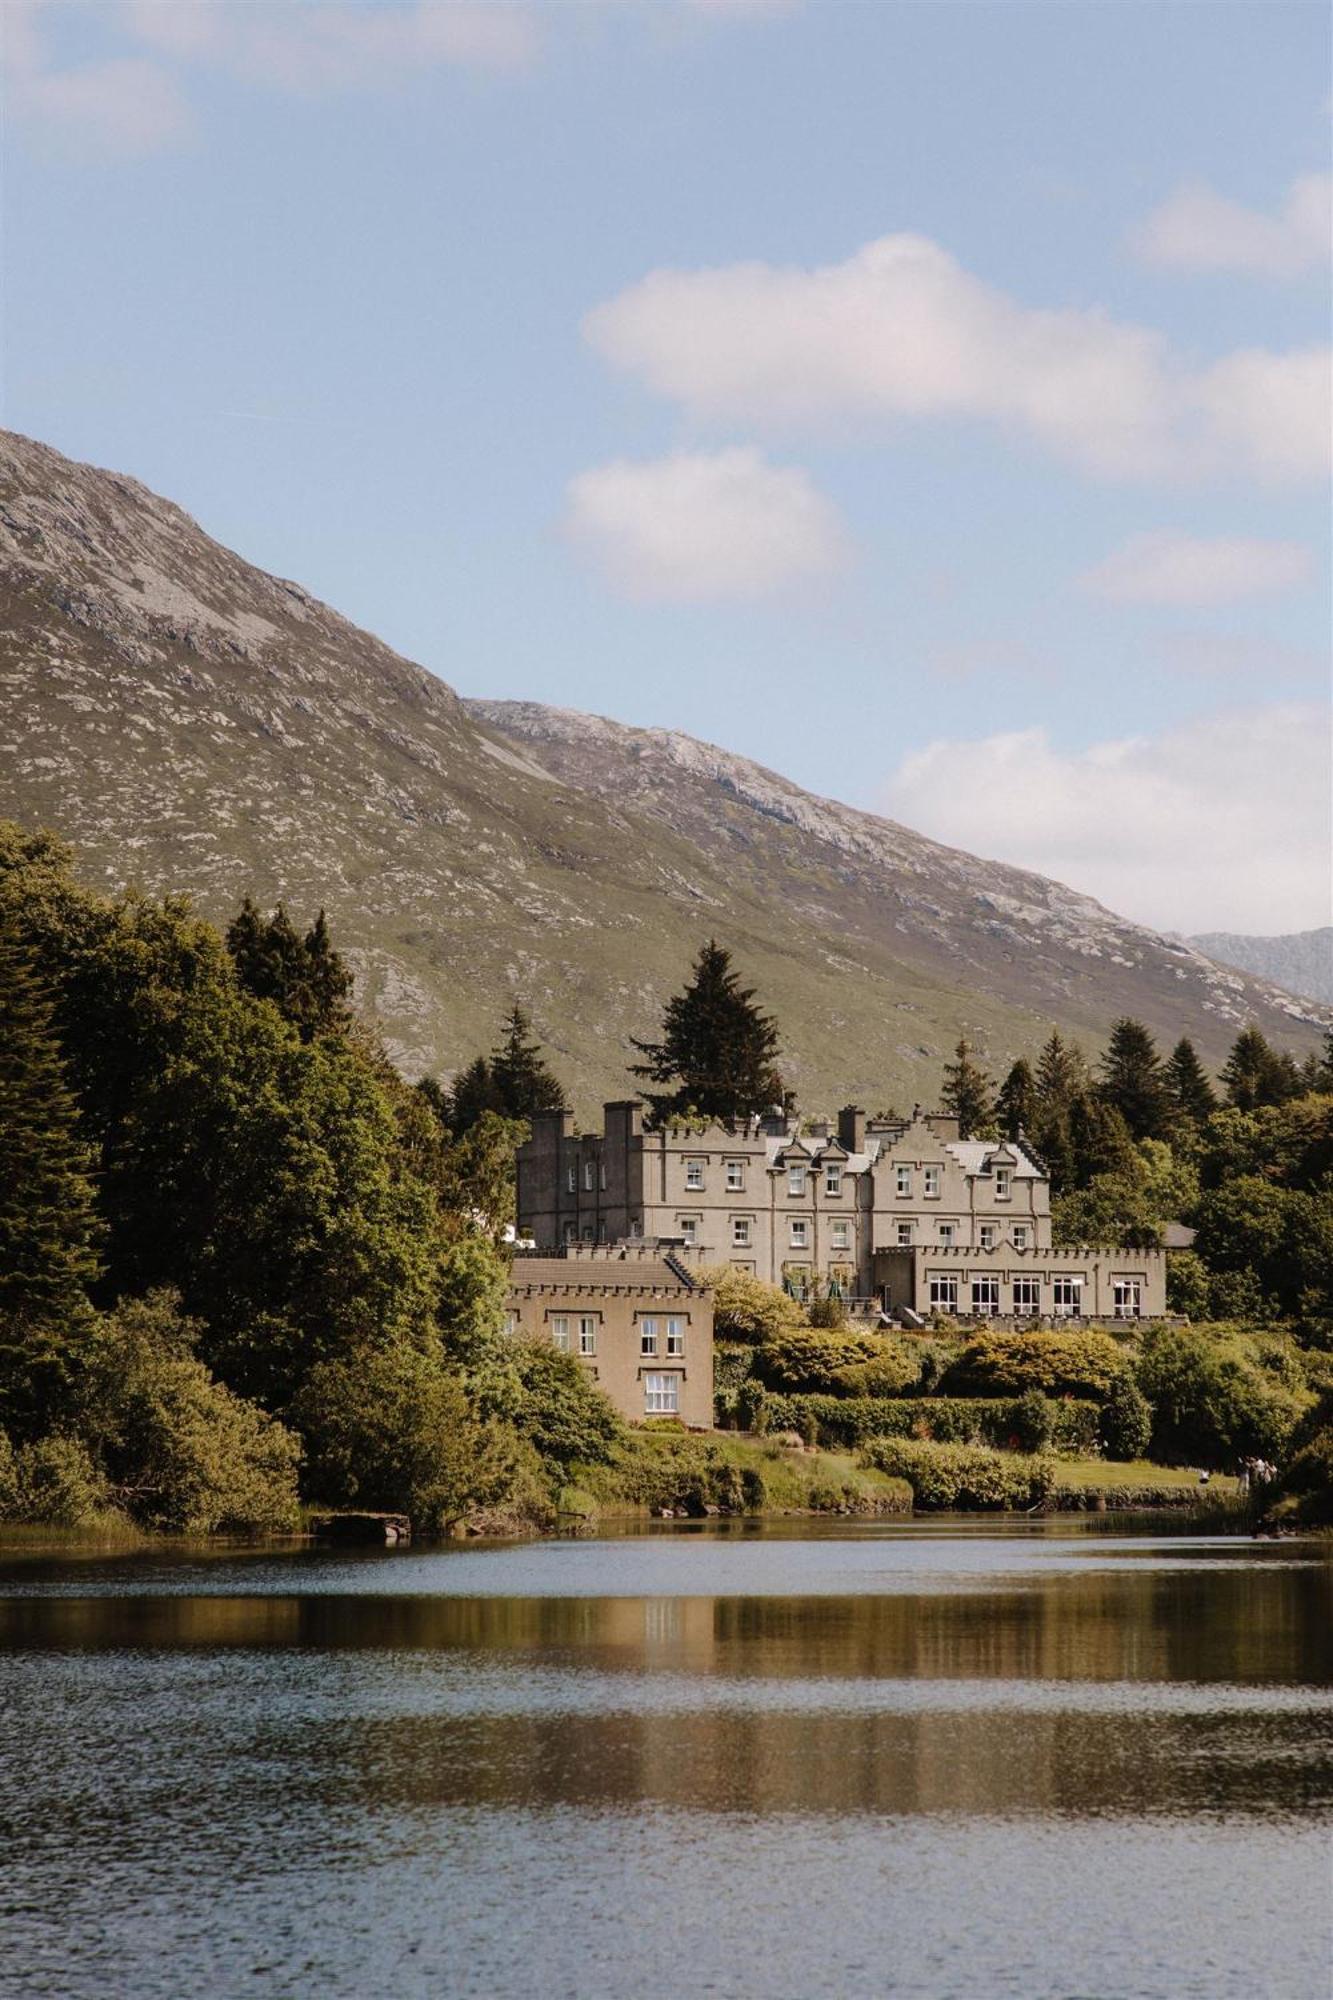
(852, 1128)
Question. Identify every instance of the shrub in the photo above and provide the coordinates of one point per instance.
(967, 1477)
(829, 1313)
(1187, 1284)
(691, 1475)
(745, 1308)
(1126, 1420)
(1211, 1403)
(1066, 1363)
(813, 1358)
(888, 1374)
(553, 1404)
(9, 1478)
(58, 1483)
(844, 1422)
(1034, 1421)
(752, 1407)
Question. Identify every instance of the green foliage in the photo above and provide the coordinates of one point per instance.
(1304, 1491)
(304, 977)
(828, 1312)
(1255, 1074)
(969, 1478)
(179, 1449)
(967, 1094)
(1212, 1402)
(1188, 1285)
(891, 1373)
(1126, 1420)
(1063, 1363)
(718, 1050)
(1016, 1102)
(1132, 1081)
(522, 1081)
(815, 1358)
(848, 1421)
(1034, 1421)
(745, 1308)
(553, 1404)
(392, 1430)
(1190, 1096)
(57, 1482)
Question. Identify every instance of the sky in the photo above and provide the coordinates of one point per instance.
(929, 401)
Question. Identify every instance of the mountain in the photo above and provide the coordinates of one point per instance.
(1302, 961)
(191, 722)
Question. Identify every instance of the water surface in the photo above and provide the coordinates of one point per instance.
(930, 1761)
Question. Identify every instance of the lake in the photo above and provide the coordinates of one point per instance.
(922, 1760)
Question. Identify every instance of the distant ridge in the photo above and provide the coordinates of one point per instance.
(192, 722)
(1302, 961)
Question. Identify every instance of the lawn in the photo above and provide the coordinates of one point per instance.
(1112, 1472)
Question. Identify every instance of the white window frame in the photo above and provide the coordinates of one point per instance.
(904, 1235)
(587, 1334)
(990, 1235)
(943, 1291)
(948, 1232)
(986, 1297)
(902, 1183)
(930, 1183)
(1020, 1236)
(1004, 1183)
(589, 1176)
(1071, 1308)
(1031, 1303)
(689, 1230)
(648, 1339)
(694, 1176)
(570, 1232)
(798, 1233)
(675, 1339)
(559, 1325)
(740, 1231)
(832, 1180)
(571, 1180)
(735, 1176)
(840, 1235)
(661, 1395)
(1130, 1307)
(796, 1180)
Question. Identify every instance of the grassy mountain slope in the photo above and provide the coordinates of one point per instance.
(190, 721)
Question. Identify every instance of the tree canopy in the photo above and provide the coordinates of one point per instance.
(718, 1051)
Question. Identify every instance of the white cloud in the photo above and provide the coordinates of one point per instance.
(1197, 229)
(1170, 568)
(122, 106)
(901, 330)
(704, 525)
(1220, 824)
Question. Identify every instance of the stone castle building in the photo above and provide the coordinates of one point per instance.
(903, 1213)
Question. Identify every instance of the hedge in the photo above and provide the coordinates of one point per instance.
(965, 1477)
(844, 1422)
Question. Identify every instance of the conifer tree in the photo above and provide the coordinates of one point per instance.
(522, 1081)
(49, 1231)
(304, 977)
(473, 1095)
(1016, 1101)
(1132, 1080)
(1255, 1074)
(1192, 1098)
(718, 1049)
(1062, 1078)
(967, 1093)
(1100, 1141)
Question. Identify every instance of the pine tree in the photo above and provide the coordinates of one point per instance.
(521, 1080)
(1255, 1074)
(1132, 1079)
(474, 1093)
(967, 1093)
(1192, 1098)
(1100, 1141)
(49, 1229)
(718, 1048)
(304, 977)
(1062, 1078)
(1016, 1102)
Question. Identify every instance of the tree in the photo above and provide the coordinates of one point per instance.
(745, 1308)
(303, 976)
(1098, 1140)
(1191, 1097)
(1131, 1079)
(475, 1093)
(1016, 1101)
(522, 1082)
(49, 1231)
(718, 1049)
(1062, 1077)
(967, 1093)
(1255, 1074)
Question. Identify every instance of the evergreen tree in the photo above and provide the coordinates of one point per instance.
(1016, 1101)
(1062, 1077)
(49, 1232)
(1132, 1079)
(1255, 1074)
(1100, 1141)
(967, 1093)
(474, 1094)
(304, 977)
(718, 1049)
(1192, 1098)
(522, 1082)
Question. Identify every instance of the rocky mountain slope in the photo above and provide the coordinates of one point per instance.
(1302, 961)
(192, 722)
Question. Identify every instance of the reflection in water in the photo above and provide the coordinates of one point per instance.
(1021, 1778)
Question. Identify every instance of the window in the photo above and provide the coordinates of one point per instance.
(648, 1336)
(571, 1180)
(601, 1179)
(800, 1234)
(740, 1231)
(1020, 1236)
(661, 1395)
(946, 1232)
(796, 1180)
(833, 1180)
(587, 1336)
(930, 1177)
(735, 1176)
(1128, 1294)
(689, 1230)
(904, 1235)
(1003, 1183)
(985, 1295)
(676, 1337)
(560, 1333)
(511, 1322)
(1067, 1296)
(587, 1232)
(589, 1175)
(570, 1232)
(988, 1235)
(694, 1173)
(903, 1180)
(1027, 1295)
(840, 1236)
(636, 1225)
(943, 1293)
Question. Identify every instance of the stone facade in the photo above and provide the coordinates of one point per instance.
(634, 1317)
(903, 1212)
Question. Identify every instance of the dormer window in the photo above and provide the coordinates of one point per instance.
(796, 1180)
(1003, 1183)
(833, 1179)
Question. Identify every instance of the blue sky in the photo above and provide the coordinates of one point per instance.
(553, 344)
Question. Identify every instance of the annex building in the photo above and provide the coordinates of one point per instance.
(901, 1213)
